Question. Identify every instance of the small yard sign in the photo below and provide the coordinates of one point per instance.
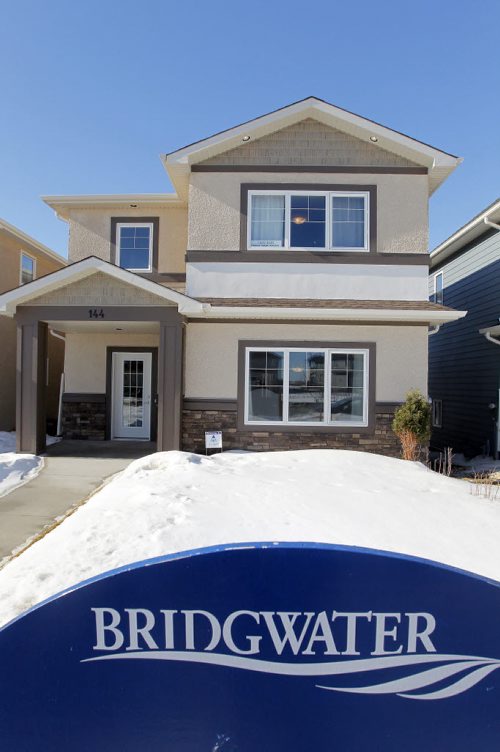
(268, 647)
(213, 439)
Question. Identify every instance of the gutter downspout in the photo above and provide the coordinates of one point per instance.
(490, 223)
(434, 330)
(490, 337)
(56, 334)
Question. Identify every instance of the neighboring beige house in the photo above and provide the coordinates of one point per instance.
(23, 259)
(279, 295)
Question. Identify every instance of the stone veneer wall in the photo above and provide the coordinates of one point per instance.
(84, 419)
(196, 422)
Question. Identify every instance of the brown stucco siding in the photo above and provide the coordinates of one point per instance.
(10, 259)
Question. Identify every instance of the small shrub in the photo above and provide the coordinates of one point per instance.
(412, 424)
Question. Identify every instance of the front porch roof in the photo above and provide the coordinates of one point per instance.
(85, 268)
(373, 311)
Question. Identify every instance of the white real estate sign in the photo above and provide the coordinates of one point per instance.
(213, 439)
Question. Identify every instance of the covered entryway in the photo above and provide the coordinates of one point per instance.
(123, 361)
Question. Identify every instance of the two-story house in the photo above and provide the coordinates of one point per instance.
(280, 294)
(464, 359)
(23, 259)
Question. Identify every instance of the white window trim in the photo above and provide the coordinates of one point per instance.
(32, 258)
(439, 274)
(328, 221)
(328, 352)
(118, 240)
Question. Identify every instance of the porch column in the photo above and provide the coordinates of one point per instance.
(169, 386)
(31, 386)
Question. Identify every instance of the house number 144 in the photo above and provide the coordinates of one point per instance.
(96, 313)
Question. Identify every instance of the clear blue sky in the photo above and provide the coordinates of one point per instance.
(93, 91)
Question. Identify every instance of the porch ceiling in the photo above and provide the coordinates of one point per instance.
(106, 327)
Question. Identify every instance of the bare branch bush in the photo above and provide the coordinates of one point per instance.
(484, 485)
(444, 463)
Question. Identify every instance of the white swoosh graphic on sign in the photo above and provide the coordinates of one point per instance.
(418, 680)
(458, 687)
(477, 668)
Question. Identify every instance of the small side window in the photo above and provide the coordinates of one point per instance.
(439, 289)
(27, 270)
(437, 413)
(134, 244)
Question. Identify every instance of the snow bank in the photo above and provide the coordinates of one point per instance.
(15, 469)
(173, 501)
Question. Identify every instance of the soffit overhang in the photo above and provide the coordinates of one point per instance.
(466, 234)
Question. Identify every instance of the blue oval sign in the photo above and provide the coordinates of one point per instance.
(263, 647)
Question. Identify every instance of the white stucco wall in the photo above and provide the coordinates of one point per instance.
(214, 207)
(212, 354)
(90, 233)
(85, 358)
(315, 281)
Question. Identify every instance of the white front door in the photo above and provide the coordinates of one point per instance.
(131, 398)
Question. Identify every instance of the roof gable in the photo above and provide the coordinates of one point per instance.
(93, 279)
(309, 142)
(439, 163)
(99, 289)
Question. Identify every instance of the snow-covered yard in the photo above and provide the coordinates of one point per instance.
(173, 501)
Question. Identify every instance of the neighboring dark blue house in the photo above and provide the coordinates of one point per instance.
(464, 356)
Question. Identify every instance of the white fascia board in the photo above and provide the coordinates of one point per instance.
(23, 237)
(333, 314)
(465, 234)
(81, 269)
(106, 199)
(61, 204)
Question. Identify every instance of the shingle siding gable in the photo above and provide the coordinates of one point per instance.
(309, 142)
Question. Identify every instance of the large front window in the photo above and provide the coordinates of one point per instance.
(317, 220)
(299, 386)
(134, 243)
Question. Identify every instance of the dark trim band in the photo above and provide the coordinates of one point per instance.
(341, 169)
(229, 405)
(308, 257)
(370, 346)
(246, 187)
(83, 397)
(163, 277)
(167, 313)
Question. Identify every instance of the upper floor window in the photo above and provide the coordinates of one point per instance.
(439, 288)
(134, 246)
(312, 220)
(27, 270)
